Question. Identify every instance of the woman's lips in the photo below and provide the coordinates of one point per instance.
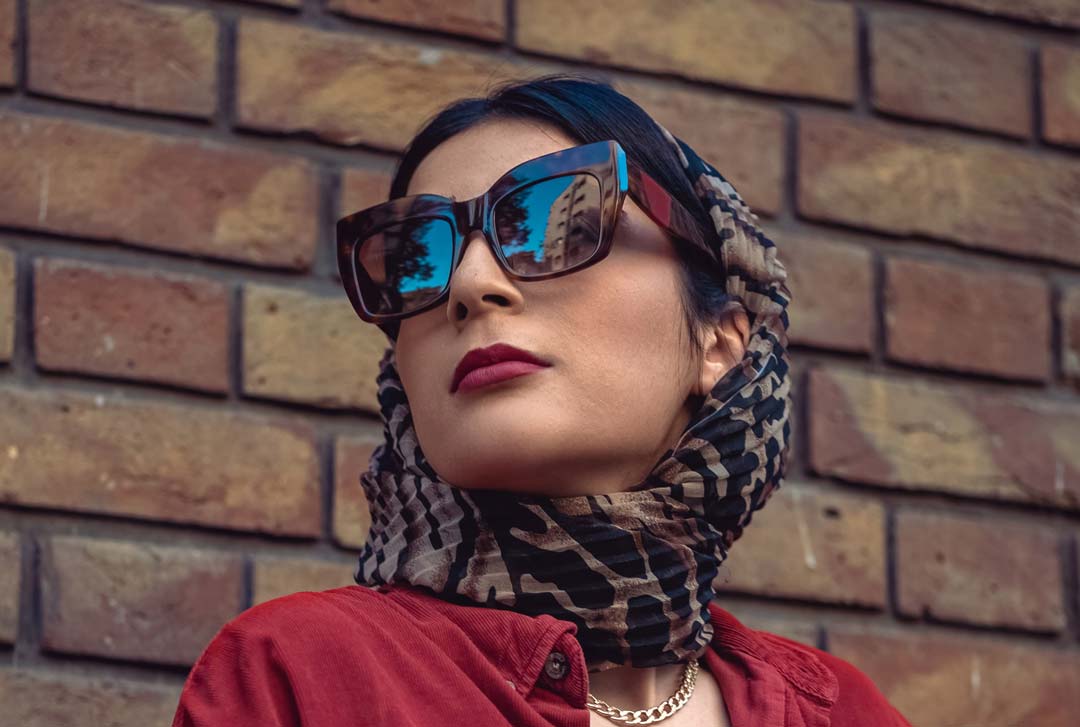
(501, 371)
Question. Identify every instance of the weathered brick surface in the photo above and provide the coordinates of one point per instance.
(811, 544)
(886, 177)
(1070, 324)
(7, 42)
(479, 18)
(41, 698)
(1051, 12)
(362, 188)
(347, 89)
(158, 461)
(950, 71)
(1060, 67)
(838, 314)
(952, 316)
(283, 327)
(131, 323)
(785, 46)
(916, 435)
(7, 304)
(745, 141)
(10, 577)
(352, 518)
(151, 190)
(986, 571)
(124, 53)
(135, 600)
(792, 623)
(279, 3)
(935, 678)
(279, 576)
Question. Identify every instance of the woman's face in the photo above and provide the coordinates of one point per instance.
(619, 390)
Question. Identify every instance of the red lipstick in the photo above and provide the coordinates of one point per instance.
(484, 366)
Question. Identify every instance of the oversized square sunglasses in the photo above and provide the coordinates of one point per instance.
(546, 217)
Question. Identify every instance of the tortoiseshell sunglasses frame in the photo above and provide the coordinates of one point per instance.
(604, 160)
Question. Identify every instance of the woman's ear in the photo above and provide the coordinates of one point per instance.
(724, 343)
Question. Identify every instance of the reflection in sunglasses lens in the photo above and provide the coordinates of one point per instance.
(405, 265)
(551, 225)
(542, 228)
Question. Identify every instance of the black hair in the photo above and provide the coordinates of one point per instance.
(588, 110)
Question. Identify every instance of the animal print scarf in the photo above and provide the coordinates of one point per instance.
(633, 570)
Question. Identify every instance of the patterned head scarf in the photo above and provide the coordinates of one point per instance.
(633, 570)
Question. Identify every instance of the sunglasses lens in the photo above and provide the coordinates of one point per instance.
(549, 226)
(542, 228)
(404, 266)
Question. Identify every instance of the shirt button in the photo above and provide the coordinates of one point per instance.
(556, 665)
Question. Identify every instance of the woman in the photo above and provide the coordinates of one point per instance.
(603, 378)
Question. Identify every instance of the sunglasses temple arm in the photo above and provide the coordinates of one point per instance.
(664, 209)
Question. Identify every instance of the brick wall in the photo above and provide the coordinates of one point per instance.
(186, 397)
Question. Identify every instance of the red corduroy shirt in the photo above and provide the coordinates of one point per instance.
(399, 656)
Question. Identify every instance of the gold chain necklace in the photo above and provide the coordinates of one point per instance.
(665, 709)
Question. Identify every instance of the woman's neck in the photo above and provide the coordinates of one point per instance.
(632, 688)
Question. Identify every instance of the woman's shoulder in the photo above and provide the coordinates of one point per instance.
(850, 696)
(265, 661)
(302, 608)
(857, 699)
(393, 617)
(357, 604)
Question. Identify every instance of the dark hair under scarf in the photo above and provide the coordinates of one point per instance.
(633, 570)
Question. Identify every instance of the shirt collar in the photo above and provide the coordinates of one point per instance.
(767, 678)
(517, 644)
(763, 673)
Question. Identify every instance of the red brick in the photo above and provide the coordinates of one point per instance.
(136, 601)
(785, 46)
(839, 315)
(281, 329)
(170, 193)
(362, 188)
(185, 464)
(944, 572)
(129, 323)
(904, 181)
(950, 71)
(10, 570)
(798, 624)
(275, 577)
(347, 89)
(8, 41)
(972, 320)
(920, 436)
(479, 18)
(7, 304)
(1060, 66)
(814, 545)
(745, 141)
(352, 518)
(41, 698)
(748, 137)
(1070, 323)
(1050, 12)
(124, 53)
(936, 678)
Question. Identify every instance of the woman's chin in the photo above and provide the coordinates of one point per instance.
(503, 476)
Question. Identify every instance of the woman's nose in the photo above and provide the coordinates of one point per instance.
(479, 282)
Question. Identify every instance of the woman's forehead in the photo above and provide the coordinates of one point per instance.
(468, 163)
